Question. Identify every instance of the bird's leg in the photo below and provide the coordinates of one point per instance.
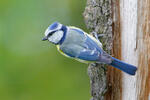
(94, 64)
(97, 36)
(100, 35)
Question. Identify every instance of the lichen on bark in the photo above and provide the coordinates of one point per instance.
(97, 16)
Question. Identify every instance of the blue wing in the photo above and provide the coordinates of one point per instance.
(86, 49)
(91, 52)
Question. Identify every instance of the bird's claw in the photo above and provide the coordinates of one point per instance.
(97, 36)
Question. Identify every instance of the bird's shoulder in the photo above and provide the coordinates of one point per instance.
(75, 31)
(81, 32)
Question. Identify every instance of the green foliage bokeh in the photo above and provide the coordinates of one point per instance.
(31, 69)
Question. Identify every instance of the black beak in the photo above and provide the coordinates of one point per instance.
(45, 38)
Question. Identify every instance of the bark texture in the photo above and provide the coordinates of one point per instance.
(98, 19)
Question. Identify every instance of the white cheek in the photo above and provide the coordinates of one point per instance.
(56, 37)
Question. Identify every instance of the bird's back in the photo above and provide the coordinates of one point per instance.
(74, 40)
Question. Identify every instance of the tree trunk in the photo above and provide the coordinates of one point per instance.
(126, 25)
(98, 19)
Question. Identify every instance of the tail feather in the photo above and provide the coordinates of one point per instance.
(130, 69)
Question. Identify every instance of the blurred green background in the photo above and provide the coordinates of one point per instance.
(31, 69)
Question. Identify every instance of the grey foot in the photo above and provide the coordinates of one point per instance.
(97, 36)
(100, 35)
(94, 64)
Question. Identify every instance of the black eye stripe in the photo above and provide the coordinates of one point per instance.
(63, 28)
(51, 33)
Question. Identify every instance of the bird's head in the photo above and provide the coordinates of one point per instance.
(55, 32)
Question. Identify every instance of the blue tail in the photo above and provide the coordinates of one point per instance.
(130, 69)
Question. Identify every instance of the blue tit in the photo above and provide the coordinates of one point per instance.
(74, 43)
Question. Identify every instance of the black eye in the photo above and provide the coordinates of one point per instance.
(50, 34)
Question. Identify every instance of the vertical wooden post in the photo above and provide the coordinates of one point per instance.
(143, 49)
(128, 12)
(130, 36)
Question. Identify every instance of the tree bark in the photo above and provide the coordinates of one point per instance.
(97, 16)
(126, 25)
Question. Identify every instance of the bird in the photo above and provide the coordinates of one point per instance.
(75, 43)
